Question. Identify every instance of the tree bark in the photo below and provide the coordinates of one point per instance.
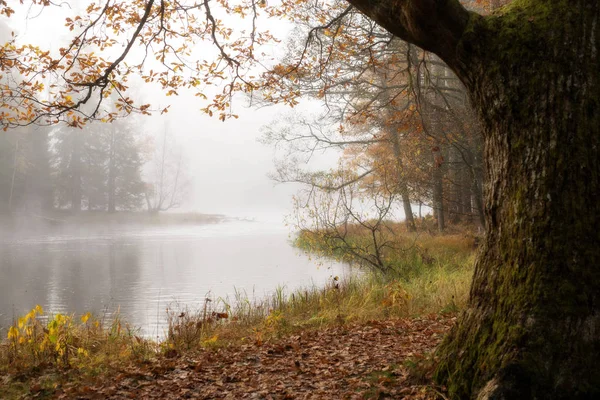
(532, 329)
(455, 196)
(465, 195)
(438, 200)
(410, 221)
(532, 326)
(437, 177)
(478, 200)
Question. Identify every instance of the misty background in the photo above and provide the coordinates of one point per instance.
(102, 263)
(225, 166)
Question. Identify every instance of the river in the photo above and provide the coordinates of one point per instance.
(140, 270)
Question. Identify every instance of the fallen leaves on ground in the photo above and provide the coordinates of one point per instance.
(359, 361)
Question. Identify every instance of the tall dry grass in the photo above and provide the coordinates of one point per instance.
(432, 276)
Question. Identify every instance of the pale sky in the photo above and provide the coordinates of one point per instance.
(227, 166)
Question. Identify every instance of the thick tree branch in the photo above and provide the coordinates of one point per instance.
(434, 25)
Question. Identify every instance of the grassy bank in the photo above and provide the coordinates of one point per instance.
(391, 249)
(43, 352)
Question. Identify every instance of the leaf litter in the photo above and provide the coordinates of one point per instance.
(374, 360)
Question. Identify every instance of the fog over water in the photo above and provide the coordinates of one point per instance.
(141, 271)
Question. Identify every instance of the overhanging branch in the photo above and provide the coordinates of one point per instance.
(434, 25)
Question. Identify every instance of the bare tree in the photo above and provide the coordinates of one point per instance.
(337, 206)
(167, 185)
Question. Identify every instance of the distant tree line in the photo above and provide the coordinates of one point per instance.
(102, 167)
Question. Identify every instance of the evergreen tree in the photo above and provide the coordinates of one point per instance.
(99, 167)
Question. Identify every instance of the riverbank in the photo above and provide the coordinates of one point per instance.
(286, 335)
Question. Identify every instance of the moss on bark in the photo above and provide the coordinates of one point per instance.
(532, 329)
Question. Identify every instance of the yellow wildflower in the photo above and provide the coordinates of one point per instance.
(13, 332)
(85, 317)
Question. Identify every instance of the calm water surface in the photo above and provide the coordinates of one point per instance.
(143, 270)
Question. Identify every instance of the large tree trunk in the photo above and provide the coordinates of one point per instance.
(532, 326)
(532, 329)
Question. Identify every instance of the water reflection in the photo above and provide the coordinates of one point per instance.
(141, 271)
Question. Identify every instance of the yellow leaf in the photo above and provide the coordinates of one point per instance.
(13, 332)
(212, 340)
(85, 317)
